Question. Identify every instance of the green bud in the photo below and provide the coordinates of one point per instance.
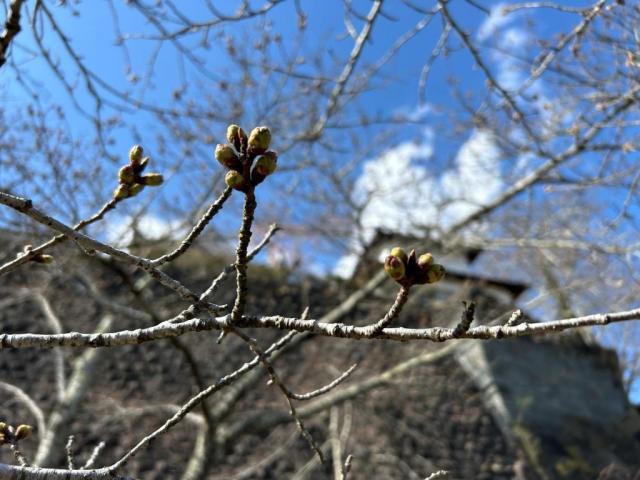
(425, 261)
(435, 273)
(399, 253)
(121, 192)
(394, 267)
(267, 163)
(3, 427)
(22, 432)
(227, 156)
(126, 175)
(152, 179)
(135, 189)
(127, 191)
(236, 136)
(232, 132)
(135, 154)
(259, 139)
(235, 180)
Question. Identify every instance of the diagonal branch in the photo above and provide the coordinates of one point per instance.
(213, 209)
(27, 256)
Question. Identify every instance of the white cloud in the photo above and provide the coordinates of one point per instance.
(392, 183)
(120, 233)
(399, 193)
(494, 21)
(346, 265)
(475, 181)
(415, 114)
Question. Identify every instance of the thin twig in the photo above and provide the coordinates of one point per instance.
(94, 456)
(195, 401)
(438, 474)
(69, 449)
(394, 311)
(287, 394)
(197, 229)
(334, 96)
(466, 319)
(326, 388)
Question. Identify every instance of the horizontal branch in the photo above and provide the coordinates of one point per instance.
(338, 330)
(13, 472)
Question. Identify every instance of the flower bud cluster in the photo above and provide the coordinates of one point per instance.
(248, 158)
(130, 176)
(9, 434)
(408, 270)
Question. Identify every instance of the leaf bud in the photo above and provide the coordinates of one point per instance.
(135, 189)
(235, 180)
(435, 273)
(152, 179)
(127, 191)
(425, 261)
(394, 267)
(22, 432)
(259, 139)
(399, 253)
(135, 154)
(227, 156)
(126, 175)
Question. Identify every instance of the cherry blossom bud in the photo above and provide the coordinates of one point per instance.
(126, 175)
(399, 253)
(267, 163)
(425, 261)
(259, 139)
(236, 136)
(235, 180)
(135, 154)
(127, 191)
(394, 267)
(227, 156)
(435, 273)
(152, 179)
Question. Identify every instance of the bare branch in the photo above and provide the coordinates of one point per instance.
(339, 330)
